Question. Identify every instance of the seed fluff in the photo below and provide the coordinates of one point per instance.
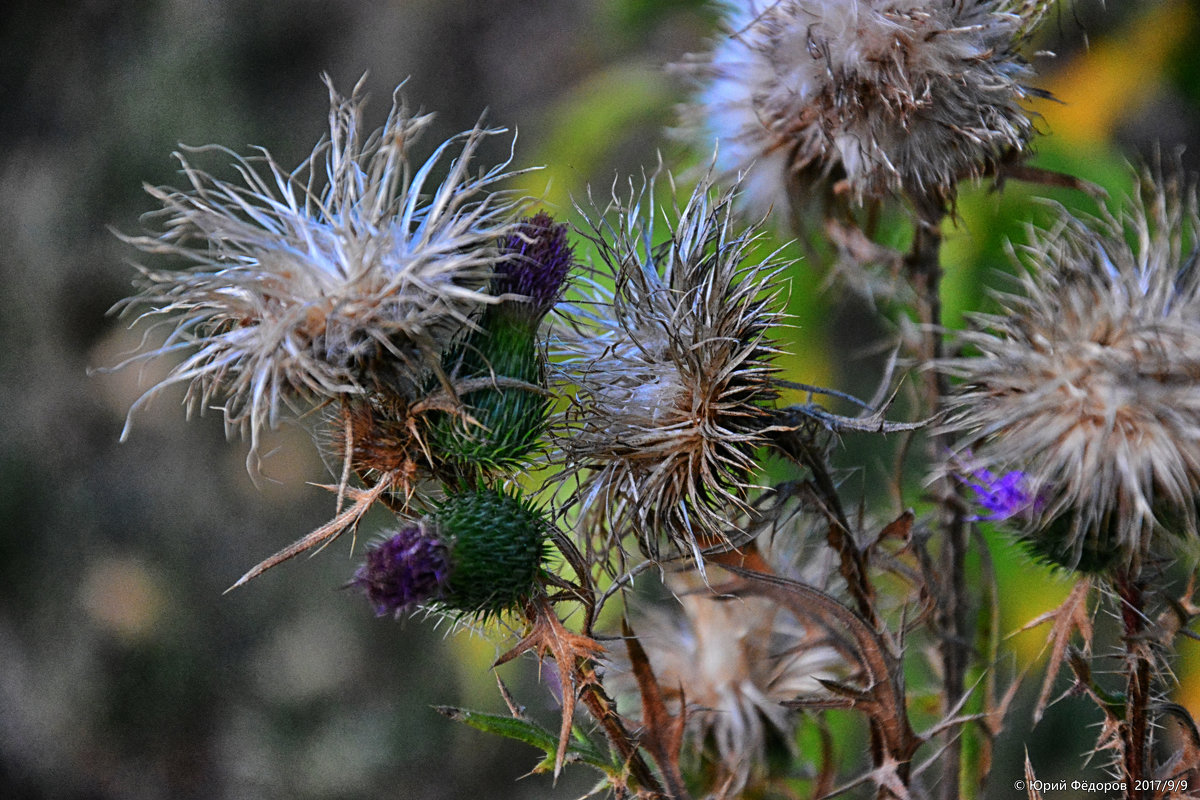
(353, 270)
(875, 97)
(1088, 380)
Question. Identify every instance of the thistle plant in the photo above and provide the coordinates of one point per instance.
(673, 374)
(561, 419)
(865, 99)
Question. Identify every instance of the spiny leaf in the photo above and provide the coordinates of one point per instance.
(547, 635)
(579, 749)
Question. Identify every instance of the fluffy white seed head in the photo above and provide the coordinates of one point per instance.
(673, 372)
(878, 96)
(733, 661)
(350, 271)
(1088, 380)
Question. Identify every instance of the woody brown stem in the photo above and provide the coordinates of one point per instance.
(853, 562)
(1135, 731)
(924, 273)
(603, 710)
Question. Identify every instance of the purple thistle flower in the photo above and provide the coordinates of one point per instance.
(405, 570)
(1005, 497)
(536, 260)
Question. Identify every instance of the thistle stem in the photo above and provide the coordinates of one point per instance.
(1135, 732)
(924, 273)
(603, 710)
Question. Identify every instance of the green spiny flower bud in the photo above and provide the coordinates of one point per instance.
(500, 424)
(497, 546)
(479, 552)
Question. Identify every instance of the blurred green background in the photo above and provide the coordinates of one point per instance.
(124, 671)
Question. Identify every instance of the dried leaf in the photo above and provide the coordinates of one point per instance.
(1031, 780)
(547, 635)
(1071, 616)
(346, 520)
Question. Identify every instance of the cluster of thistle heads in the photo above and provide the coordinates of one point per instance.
(414, 314)
(458, 346)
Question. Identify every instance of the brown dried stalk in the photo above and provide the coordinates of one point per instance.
(952, 619)
(881, 698)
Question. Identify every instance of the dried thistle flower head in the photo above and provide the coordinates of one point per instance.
(877, 96)
(327, 280)
(673, 372)
(732, 662)
(1088, 382)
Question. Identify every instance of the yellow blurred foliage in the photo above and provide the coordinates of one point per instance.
(1098, 88)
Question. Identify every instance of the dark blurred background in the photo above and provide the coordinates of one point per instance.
(124, 671)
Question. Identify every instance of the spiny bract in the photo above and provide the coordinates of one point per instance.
(478, 552)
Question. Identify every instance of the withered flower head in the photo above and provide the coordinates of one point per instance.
(732, 662)
(1087, 383)
(673, 372)
(304, 283)
(877, 96)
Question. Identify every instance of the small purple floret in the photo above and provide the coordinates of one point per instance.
(538, 260)
(403, 571)
(1005, 497)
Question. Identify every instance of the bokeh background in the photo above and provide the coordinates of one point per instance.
(125, 673)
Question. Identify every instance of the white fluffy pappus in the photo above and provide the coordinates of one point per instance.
(315, 283)
(1088, 380)
(881, 97)
(731, 663)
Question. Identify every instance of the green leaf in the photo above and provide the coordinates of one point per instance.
(581, 748)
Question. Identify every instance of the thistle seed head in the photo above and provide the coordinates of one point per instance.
(876, 97)
(673, 373)
(1088, 381)
(326, 280)
(733, 662)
